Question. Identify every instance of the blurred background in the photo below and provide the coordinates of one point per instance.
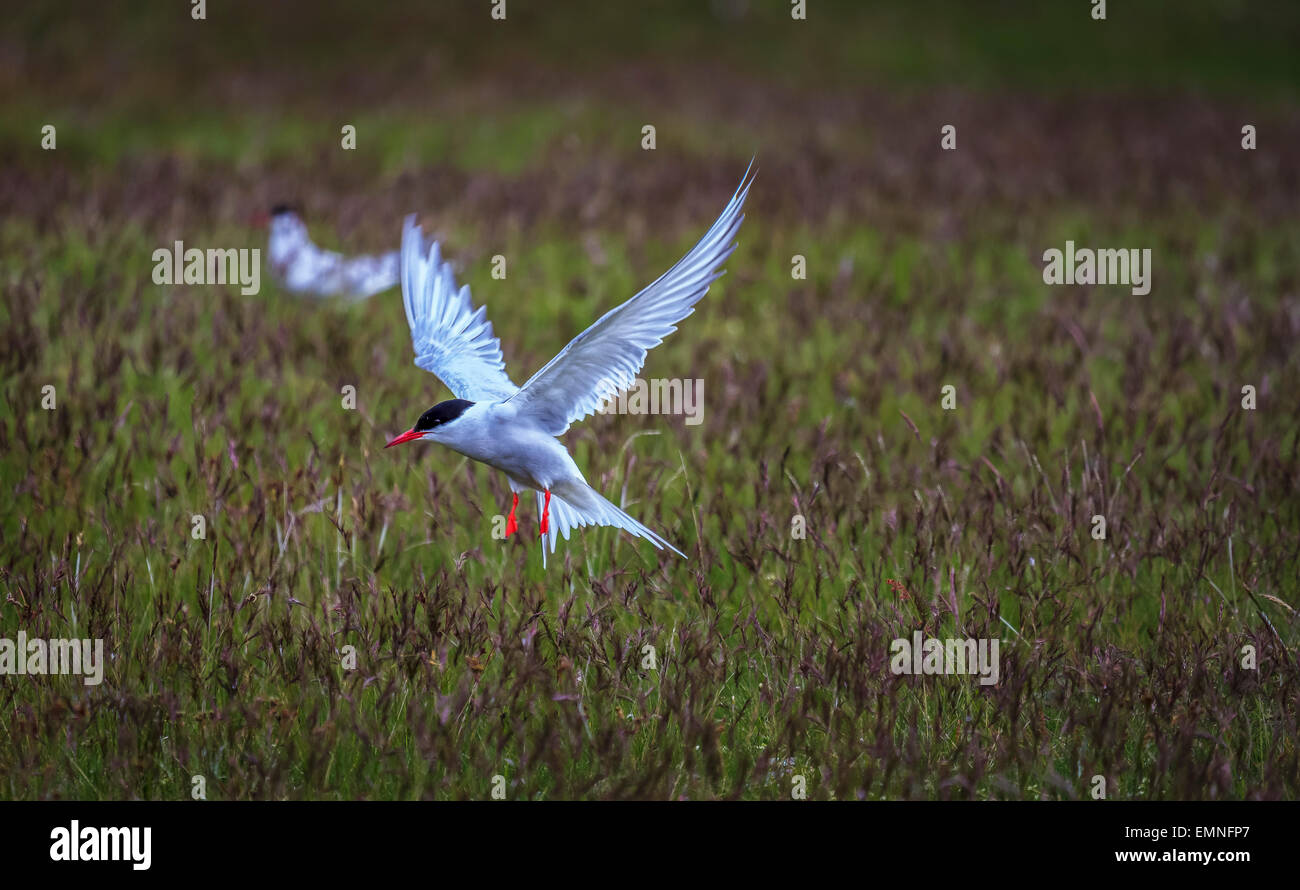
(1052, 106)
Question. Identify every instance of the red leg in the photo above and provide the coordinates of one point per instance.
(511, 525)
(546, 513)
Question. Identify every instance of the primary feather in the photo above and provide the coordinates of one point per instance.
(452, 340)
(604, 359)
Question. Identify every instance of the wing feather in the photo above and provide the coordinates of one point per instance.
(605, 359)
(452, 340)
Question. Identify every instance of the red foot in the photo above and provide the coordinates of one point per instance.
(546, 514)
(511, 525)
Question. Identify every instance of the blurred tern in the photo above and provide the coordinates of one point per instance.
(514, 428)
(302, 267)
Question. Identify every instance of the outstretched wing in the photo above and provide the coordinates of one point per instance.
(604, 359)
(452, 340)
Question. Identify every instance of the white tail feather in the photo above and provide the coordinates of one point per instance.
(576, 505)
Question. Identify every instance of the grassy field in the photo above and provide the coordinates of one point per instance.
(1120, 657)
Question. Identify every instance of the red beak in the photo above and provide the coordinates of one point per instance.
(408, 436)
(260, 220)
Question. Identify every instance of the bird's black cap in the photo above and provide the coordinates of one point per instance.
(443, 412)
(283, 208)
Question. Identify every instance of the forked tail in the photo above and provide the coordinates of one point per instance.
(576, 504)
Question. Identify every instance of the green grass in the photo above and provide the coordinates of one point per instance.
(770, 648)
(1120, 657)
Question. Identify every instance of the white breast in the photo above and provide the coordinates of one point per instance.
(492, 434)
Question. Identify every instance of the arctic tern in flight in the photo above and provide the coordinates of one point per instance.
(515, 428)
(302, 267)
